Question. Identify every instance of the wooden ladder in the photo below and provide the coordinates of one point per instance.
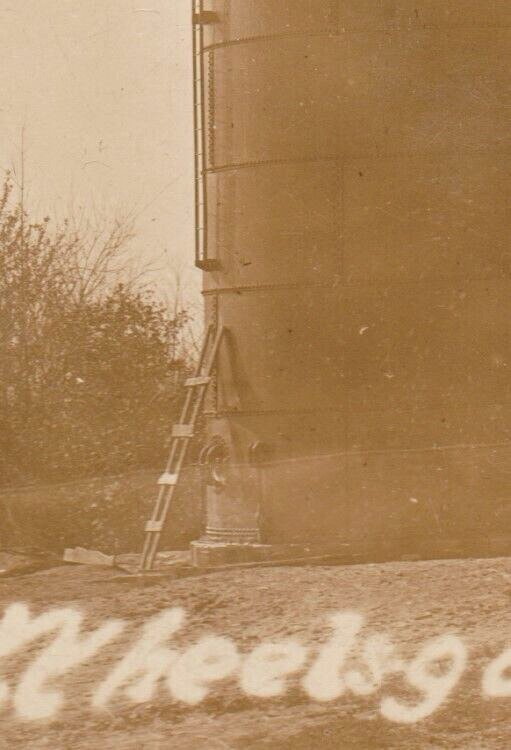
(182, 432)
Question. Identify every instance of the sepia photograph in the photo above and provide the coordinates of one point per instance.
(255, 374)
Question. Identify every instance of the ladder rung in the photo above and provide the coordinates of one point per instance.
(182, 431)
(203, 17)
(154, 526)
(168, 479)
(199, 380)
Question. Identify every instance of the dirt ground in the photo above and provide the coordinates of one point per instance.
(411, 602)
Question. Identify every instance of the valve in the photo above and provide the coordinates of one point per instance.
(215, 457)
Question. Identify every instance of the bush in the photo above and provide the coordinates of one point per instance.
(90, 369)
(106, 514)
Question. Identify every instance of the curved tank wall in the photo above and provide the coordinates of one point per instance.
(359, 190)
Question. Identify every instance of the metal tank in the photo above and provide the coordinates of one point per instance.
(353, 192)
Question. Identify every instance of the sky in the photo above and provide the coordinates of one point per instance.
(102, 91)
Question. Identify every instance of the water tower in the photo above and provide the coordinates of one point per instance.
(353, 188)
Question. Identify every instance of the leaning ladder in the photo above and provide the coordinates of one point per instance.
(182, 432)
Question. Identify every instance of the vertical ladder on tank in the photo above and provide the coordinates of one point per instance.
(200, 18)
(182, 433)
